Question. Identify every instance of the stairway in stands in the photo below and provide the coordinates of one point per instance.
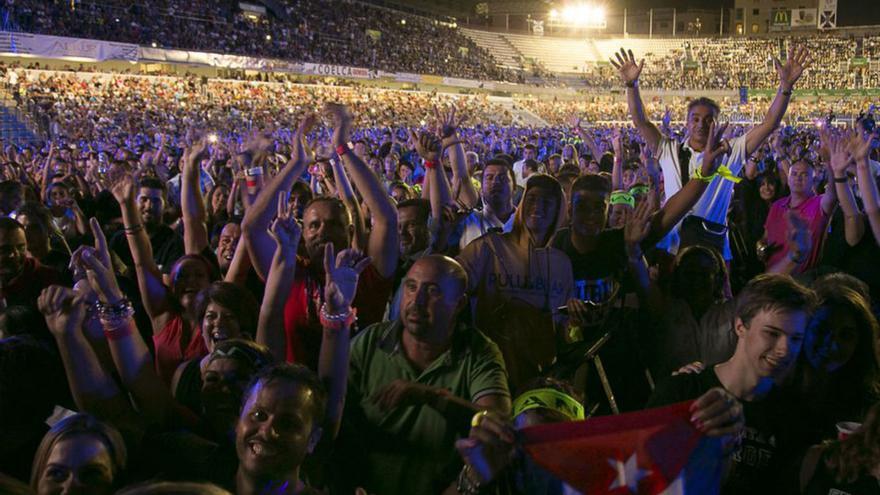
(501, 49)
(15, 126)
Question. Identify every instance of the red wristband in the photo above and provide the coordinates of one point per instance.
(342, 149)
(429, 164)
(336, 324)
(118, 333)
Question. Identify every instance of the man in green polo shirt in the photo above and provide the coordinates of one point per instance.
(414, 384)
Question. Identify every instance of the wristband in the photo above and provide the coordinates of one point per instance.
(786, 93)
(133, 229)
(631, 84)
(429, 164)
(342, 149)
(337, 322)
(841, 180)
(118, 330)
(700, 177)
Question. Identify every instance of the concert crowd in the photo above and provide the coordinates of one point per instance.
(241, 287)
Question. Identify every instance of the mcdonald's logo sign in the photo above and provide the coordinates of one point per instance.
(781, 17)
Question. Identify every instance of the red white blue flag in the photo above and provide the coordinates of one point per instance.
(650, 452)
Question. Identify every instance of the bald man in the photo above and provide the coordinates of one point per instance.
(415, 383)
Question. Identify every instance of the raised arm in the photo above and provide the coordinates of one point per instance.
(629, 73)
(436, 183)
(789, 73)
(130, 354)
(681, 202)
(337, 316)
(617, 169)
(154, 294)
(840, 160)
(258, 216)
(346, 194)
(860, 149)
(286, 234)
(382, 245)
(448, 126)
(44, 187)
(192, 204)
(93, 389)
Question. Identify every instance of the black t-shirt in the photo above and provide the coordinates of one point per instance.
(859, 261)
(755, 466)
(167, 247)
(608, 259)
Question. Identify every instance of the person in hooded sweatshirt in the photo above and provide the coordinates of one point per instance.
(516, 281)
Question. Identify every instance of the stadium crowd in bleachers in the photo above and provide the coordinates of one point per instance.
(216, 286)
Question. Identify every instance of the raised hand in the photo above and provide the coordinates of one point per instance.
(342, 121)
(617, 143)
(64, 309)
(798, 60)
(627, 67)
(95, 261)
(341, 273)
(840, 156)
(196, 151)
(427, 145)
(123, 188)
(860, 147)
(716, 148)
(300, 151)
(447, 123)
(638, 225)
(285, 229)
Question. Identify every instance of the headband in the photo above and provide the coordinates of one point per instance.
(640, 189)
(548, 398)
(622, 197)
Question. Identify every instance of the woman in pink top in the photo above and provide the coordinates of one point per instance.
(170, 306)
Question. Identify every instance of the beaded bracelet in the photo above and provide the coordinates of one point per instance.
(337, 322)
(112, 315)
(465, 485)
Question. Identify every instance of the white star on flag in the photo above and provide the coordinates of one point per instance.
(628, 475)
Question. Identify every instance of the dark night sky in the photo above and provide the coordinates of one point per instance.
(849, 12)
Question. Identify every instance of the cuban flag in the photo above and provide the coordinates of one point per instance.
(650, 452)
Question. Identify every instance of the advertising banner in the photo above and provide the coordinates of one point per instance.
(66, 48)
(803, 17)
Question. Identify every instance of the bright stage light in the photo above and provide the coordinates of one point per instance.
(581, 15)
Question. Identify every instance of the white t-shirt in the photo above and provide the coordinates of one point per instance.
(715, 201)
(479, 223)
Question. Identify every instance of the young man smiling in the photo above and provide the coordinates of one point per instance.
(771, 317)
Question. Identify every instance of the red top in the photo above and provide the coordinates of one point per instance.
(302, 326)
(169, 351)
